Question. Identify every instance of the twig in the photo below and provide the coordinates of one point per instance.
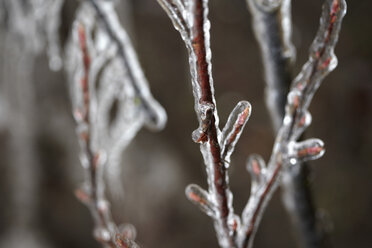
(190, 19)
(126, 54)
(273, 29)
(286, 150)
(106, 231)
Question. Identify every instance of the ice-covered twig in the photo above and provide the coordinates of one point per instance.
(287, 151)
(111, 102)
(272, 26)
(190, 19)
(92, 194)
(155, 114)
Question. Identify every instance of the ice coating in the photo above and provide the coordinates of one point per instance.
(201, 198)
(111, 101)
(37, 23)
(286, 150)
(234, 128)
(190, 18)
(272, 25)
(116, 108)
(310, 149)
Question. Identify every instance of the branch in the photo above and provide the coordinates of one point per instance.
(272, 27)
(286, 150)
(92, 194)
(190, 19)
(156, 116)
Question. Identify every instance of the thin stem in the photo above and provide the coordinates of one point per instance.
(273, 30)
(121, 52)
(322, 60)
(219, 169)
(106, 231)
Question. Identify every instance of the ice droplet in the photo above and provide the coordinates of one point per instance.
(101, 234)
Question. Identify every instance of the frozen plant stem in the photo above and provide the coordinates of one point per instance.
(287, 151)
(189, 17)
(121, 52)
(111, 101)
(106, 231)
(272, 26)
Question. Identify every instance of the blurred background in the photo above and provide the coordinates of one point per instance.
(39, 165)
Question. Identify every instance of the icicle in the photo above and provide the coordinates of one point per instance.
(234, 128)
(310, 149)
(200, 198)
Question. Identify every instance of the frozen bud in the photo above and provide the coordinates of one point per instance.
(205, 110)
(99, 158)
(200, 197)
(306, 150)
(256, 167)
(293, 100)
(101, 234)
(234, 224)
(234, 128)
(82, 195)
(303, 122)
(128, 230)
(84, 161)
(199, 136)
(124, 242)
(103, 206)
(78, 115)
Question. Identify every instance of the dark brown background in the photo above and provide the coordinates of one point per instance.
(158, 166)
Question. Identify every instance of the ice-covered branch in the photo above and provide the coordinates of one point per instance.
(287, 151)
(92, 193)
(190, 18)
(272, 27)
(156, 117)
(111, 102)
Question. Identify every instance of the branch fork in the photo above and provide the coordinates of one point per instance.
(189, 17)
